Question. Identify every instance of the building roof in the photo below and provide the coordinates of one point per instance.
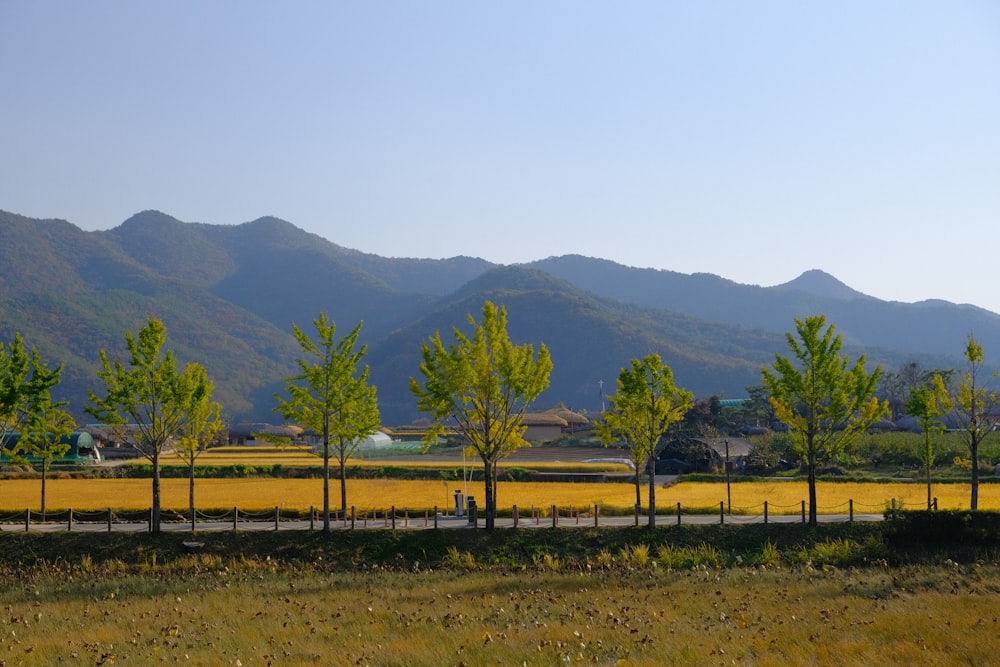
(544, 419)
(737, 446)
(260, 428)
(572, 418)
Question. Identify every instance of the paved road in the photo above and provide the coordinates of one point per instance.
(429, 523)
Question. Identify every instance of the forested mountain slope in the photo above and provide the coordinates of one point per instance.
(229, 294)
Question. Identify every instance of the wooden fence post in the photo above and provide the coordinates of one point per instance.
(803, 511)
(555, 516)
(236, 516)
(678, 514)
(109, 519)
(850, 508)
(722, 512)
(765, 511)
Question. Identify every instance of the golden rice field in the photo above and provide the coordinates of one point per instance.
(308, 461)
(380, 494)
(302, 457)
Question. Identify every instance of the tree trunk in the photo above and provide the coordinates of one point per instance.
(928, 460)
(326, 486)
(929, 486)
(343, 486)
(154, 519)
(490, 490)
(974, 450)
(44, 470)
(638, 487)
(191, 491)
(492, 508)
(811, 463)
(652, 492)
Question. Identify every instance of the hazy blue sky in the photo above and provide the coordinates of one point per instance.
(754, 140)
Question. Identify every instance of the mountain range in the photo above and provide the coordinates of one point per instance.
(228, 295)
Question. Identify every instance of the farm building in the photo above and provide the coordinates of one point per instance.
(82, 450)
(376, 440)
(553, 424)
(705, 454)
(251, 434)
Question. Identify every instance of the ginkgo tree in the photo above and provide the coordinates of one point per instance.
(147, 397)
(331, 397)
(481, 386)
(824, 401)
(46, 436)
(928, 403)
(646, 404)
(25, 385)
(976, 404)
(202, 425)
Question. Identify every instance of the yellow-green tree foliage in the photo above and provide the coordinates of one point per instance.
(331, 397)
(824, 400)
(482, 385)
(646, 404)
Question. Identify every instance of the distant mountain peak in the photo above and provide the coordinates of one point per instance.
(273, 230)
(820, 283)
(149, 218)
(269, 221)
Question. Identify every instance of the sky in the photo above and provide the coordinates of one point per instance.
(752, 140)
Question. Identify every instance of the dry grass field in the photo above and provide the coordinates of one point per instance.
(380, 494)
(248, 613)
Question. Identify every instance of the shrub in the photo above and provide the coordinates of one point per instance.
(548, 562)
(687, 557)
(636, 556)
(843, 552)
(707, 554)
(515, 474)
(768, 556)
(840, 552)
(459, 560)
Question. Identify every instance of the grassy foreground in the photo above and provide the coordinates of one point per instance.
(254, 614)
(762, 595)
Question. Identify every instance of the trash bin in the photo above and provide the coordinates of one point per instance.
(459, 504)
(470, 504)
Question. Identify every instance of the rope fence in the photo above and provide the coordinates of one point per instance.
(394, 518)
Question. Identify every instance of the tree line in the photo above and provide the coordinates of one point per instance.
(480, 385)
